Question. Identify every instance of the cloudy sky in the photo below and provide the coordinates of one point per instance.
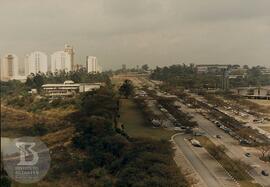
(156, 32)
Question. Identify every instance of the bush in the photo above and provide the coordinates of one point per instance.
(39, 129)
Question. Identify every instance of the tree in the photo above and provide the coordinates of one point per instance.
(145, 67)
(39, 129)
(5, 181)
(127, 88)
(101, 102)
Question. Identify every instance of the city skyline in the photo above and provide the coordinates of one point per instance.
(139, 32)
(39, 62)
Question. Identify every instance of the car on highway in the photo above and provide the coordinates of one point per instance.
(178, 129)
(265, 173)
(163, 110)
(195, 143)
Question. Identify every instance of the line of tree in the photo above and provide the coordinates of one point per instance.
(80, 76)
(186, 76)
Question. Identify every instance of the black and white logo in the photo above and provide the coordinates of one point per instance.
(26, 159)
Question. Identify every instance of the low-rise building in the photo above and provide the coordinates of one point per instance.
(211, 68)
(265, 71)
(253, 92)
(68, 88)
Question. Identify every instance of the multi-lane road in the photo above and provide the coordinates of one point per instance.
(211, 172)
(235, 151)
(208, 168)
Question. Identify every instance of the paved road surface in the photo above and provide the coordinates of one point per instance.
(208, 168)
(235, 151)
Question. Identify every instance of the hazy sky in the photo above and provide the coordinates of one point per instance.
(157, 32)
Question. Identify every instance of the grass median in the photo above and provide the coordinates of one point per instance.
(136, 123)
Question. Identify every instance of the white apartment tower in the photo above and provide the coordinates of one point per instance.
(36, 62)
(92, 65)
(61, 61)
(9, 67)
(69, 49)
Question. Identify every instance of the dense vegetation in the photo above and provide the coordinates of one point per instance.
(37, 80)
(16, 88)
(5, 181)
(13, 87)
(254, 77)
(15, 93)
(130, 162)
(100, 153)
(186, 76)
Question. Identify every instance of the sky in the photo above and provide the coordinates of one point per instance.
(136, 32)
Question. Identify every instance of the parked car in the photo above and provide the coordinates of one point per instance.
(227, 130)
(218, 136)
(198, 133)
(265, 173)
(177, 124)
(233, 134)
(188, 130)
(244, 142)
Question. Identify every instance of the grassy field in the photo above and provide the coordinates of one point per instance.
(136, 124)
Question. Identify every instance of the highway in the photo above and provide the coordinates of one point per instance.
(207, 167)
(201, 162)
(235, 151)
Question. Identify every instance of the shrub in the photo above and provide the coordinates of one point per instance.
(39, 129)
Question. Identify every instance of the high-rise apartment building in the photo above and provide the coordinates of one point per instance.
(36, 62)
(69, 49)
(9, 67)
(92, 65)
(61, 61)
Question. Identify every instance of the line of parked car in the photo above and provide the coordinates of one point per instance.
(229, 131)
